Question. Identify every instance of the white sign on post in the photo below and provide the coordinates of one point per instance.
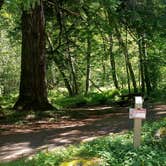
(137, 113)
(138, 102)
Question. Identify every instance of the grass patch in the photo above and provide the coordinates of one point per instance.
(114, 150)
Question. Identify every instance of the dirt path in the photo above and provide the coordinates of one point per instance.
(18, 141)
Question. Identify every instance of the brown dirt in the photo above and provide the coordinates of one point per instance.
(21, 140)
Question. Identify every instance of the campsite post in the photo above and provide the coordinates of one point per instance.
(138, 113)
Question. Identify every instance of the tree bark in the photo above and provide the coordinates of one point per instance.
(33, 88)
(129, 66)
(88, 56)
(112, 58)
(73, 73)
(146, 71)
(73, 76)
(112, 62)
(141, 66)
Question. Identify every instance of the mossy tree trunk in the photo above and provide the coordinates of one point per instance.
(33, 89)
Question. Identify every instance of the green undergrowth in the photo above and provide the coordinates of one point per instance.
(109, 97)
(158, 96)
(8, 100)
(91, 99)
(112, 150)
(61, 101)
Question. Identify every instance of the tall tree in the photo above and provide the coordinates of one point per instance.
(141, 66)
(126, 54)
(88, 54)
(33, 89)
(146, 72)
(112, 62)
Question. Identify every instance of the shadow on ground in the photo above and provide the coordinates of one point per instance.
(16, 141)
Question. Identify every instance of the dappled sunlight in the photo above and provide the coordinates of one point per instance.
(19, 140)
(161, 113)
(90, 108)
(84, 139)
(160, 107)
(71, 132)
(13, 151)
(83, 162)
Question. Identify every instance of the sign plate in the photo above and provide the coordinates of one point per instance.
(137, 113)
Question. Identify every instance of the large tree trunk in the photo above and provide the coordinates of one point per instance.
(33, 89)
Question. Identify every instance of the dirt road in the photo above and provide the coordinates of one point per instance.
(17, 141)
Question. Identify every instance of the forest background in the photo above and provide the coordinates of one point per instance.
(100, 48)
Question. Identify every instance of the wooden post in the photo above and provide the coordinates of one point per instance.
(137, 132)
(137, 113)
(137, 123)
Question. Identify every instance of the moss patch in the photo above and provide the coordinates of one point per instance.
(83, 162)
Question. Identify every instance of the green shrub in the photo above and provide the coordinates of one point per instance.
(70, 102)
(95, 98)
(90, 99)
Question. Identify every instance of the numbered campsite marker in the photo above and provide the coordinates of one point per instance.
(138, 102)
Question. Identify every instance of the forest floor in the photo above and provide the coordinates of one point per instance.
(85, 124)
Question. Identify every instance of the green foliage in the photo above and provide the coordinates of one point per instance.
(158, 95)
(114, 150)
(68, 27)
(26, 4)
(8, 100)
(9, 53)
(107, 97)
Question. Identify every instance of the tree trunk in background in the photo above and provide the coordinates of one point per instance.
(66, 81)
(60, 67)
(73, 77)
(141, 67)
(33, 89)
(146, 72)
(104, 60)
(129, 66)
(72, 72)
(112, 62)
(88, 64)
(112, 58)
